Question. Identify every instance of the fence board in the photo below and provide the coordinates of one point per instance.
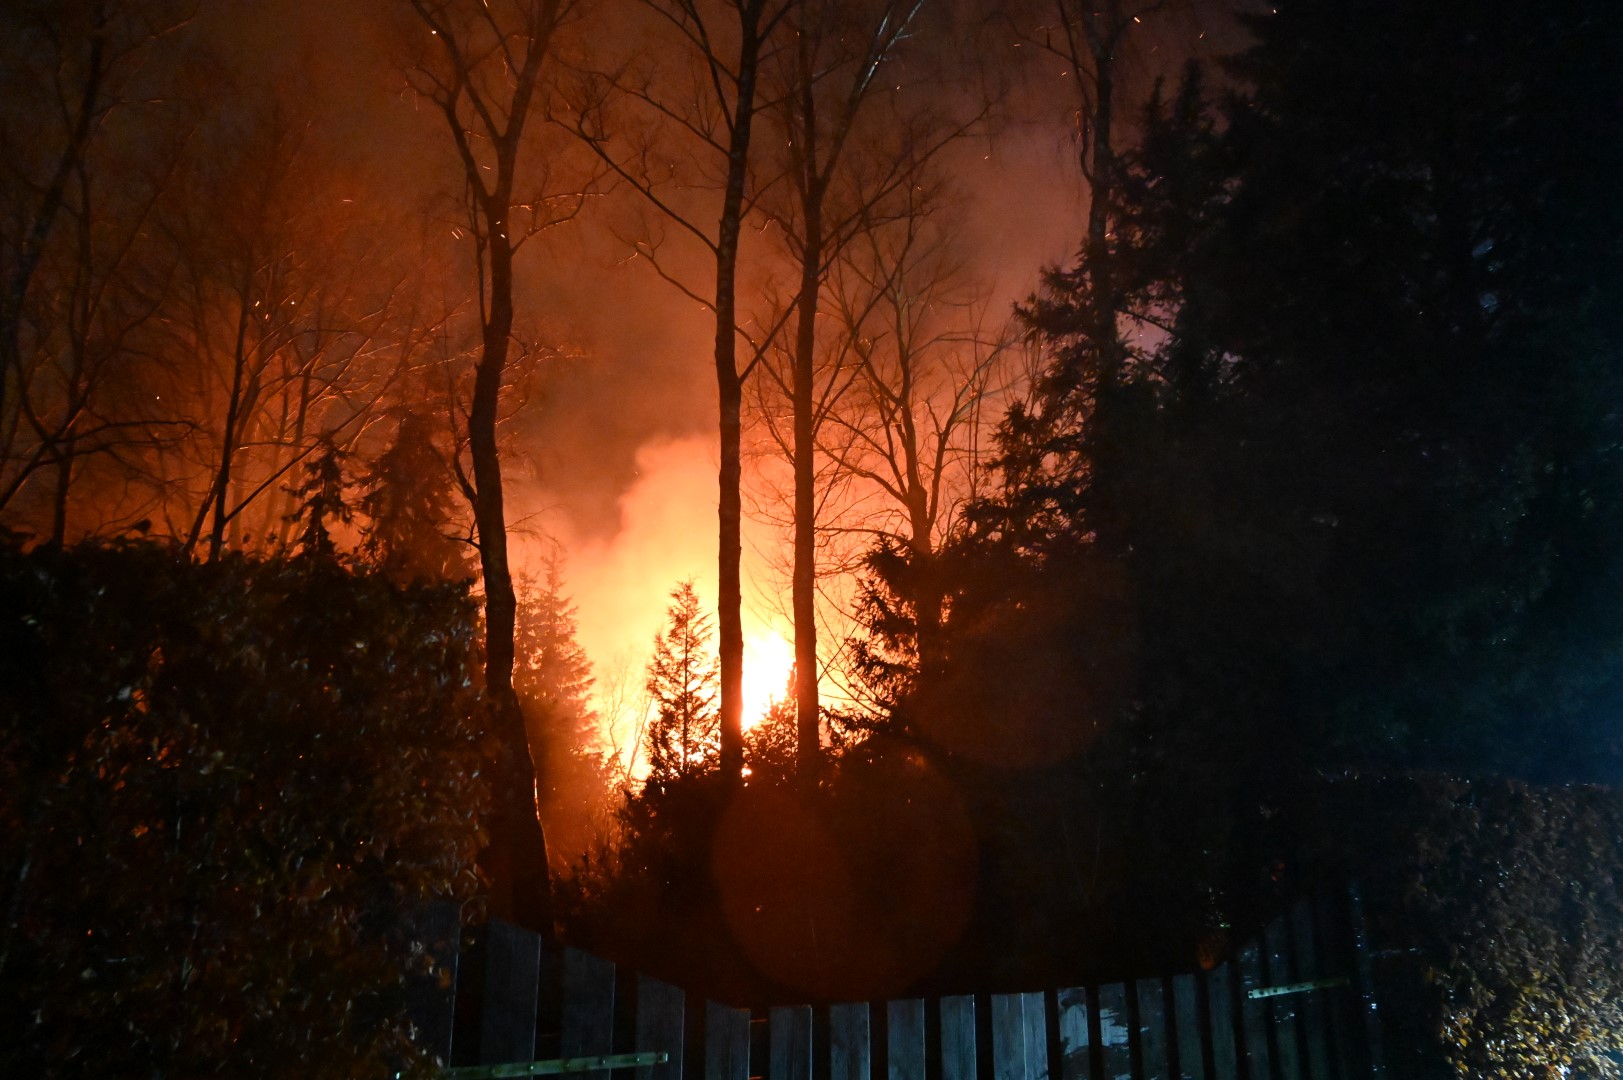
(1348, 1051)
(660, 1011)
(1186, 1009)
(1220, 1007)
(726, 1043)
(791, 1035)
(1033, 1013)
(1019, 1037)
(848, 1041)
(512, 989)
(587, 1023)
(434, 934)
(1314, 1010)
(958, 1038)
(904, 1039)
(1365, 969)
(1076, 1057)
(1115, 1037)
(1287, 1027)
(1152, 1027)
(1254, 1016)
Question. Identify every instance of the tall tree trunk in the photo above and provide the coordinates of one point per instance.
(808, 731)
(730, 390)
(516, 831)
(228, 440)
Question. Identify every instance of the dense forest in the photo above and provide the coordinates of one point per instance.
(1265, 543)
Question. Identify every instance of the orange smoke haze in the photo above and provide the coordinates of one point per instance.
(622, 583)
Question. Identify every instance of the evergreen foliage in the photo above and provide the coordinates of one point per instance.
(683, 680)
(771, 744)
(322, 503)
(553, 679)
(409, 505)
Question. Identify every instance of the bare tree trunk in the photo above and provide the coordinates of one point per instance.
(1101, 200)
(730, 390)
(486, 109)
(517, 828)
(32, 248)
(808, 730)
(221, 490)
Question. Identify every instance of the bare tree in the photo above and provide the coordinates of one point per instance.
(709, 104)
(827, 81)
(66, 302)
(485, 72)
(906, 441)
(272, 336)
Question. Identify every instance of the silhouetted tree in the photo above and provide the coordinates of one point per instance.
(485, 75)
(408, 503)
(683, 739)
(553, 678)
(714, 99)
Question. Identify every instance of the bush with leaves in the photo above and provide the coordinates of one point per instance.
(1496, 908)
(222, 784)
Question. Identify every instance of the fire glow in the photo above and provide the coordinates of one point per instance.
(621, 585)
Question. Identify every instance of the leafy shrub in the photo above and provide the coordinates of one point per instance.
(219, 786)
(1500, 904)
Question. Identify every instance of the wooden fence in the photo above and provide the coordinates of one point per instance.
(1296, 1004)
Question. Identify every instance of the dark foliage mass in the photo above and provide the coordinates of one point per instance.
(1298, 564)
(220, 785)
(1500, 908)
(1339, 490)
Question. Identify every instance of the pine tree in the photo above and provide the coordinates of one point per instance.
(684, 739)
(408, 505)
(321, 502)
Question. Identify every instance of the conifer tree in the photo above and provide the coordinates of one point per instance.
(552, 676)
(684, 739)
(408, 504)
(321, 501)
(771, 745)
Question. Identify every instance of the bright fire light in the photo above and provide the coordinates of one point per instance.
(768, 659)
